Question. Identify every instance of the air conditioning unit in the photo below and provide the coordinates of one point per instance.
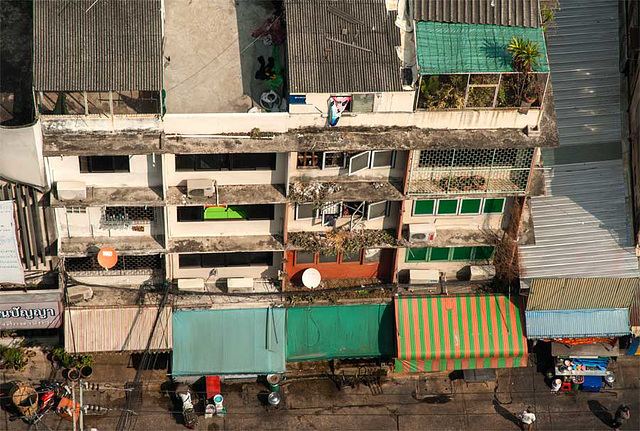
(191, 284)
(79, 293)
(482, 272)
(239, 285)
(525, 287)
(200, 187)
(424, 276)
(422, 232)
(71, 190)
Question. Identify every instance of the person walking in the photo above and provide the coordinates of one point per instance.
(527, 417)
(621, 417)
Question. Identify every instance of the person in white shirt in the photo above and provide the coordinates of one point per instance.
(528, 418)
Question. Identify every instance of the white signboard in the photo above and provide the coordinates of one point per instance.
(10, 265)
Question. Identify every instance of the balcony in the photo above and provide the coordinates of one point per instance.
(469, 172)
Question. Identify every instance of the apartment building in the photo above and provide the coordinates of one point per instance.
(376, 142)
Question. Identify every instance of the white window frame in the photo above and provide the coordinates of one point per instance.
(324, 212)
(470, 214)
(361, 209)
(504, 203)
(314, 213)
(368, 154)
(324, 155)
(386, 209)
(413, 208)
(373, 156)
(437, 206)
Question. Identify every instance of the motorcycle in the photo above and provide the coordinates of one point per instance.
(188, 412)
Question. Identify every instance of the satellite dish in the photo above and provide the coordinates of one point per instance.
(107, 257)
(311, 278)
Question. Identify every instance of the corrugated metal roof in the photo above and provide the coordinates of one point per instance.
(471, 48)
(603, 322)
(582, 226)
(97, 45)
(346, 46)
(519, 13)
(580, 293)
(340, 331)
(243, 341)
(122, 329)
(581, 229)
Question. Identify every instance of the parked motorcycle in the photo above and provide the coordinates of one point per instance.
(188, 412)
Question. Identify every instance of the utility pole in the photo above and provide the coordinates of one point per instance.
(81, 409)
(73, 406)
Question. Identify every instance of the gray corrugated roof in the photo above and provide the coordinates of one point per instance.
(346, 46)
(109, 45)
(518, 13)
(603, 322)
(582, 226)
(581, 293)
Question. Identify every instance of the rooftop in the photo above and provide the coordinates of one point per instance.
(232, 194)
(130, 245)
(121, 196)
(347, 46)
(519, 13)
(226, 244)
(87, 45)
(210, 55)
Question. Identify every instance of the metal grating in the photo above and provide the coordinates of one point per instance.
(499, 170)
(126, 265)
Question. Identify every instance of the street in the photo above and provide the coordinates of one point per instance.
(318, 404)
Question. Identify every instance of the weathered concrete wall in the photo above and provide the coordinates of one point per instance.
(277, 176)
(87, 224)
(144, 171)
(342, 174)
(398, 101)
(224, 228)
(257, 271)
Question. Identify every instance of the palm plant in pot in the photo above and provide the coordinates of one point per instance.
(526, 58)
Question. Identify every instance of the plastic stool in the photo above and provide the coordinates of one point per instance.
(566, 387)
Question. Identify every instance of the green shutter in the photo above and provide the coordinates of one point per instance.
(439, 254)
(424, 206)
(493, 205)
(416, 254)
(447, 206)
(484, 253)
(470, 206)
(462, 254)
(216, 213)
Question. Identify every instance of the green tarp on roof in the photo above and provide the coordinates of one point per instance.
(343, 331)
(213, 342)
(445, 48)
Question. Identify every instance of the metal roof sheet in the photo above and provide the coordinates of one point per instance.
(581, 227)
(581, 293)
(122, 329)
(471, 48)
(242, 341)
(519, 13)
(612, 322)
(340, 331)
(342, 47)
(87, 45)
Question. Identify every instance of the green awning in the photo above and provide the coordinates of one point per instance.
(213, 342)
(445, 48)
(342, 331)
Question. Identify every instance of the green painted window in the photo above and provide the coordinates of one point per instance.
(230, 212)
(492, 206)
(470, 206)
(462, 253)
(439, 254)
(447, 206)
(416, 254)
(424, 207)
(484, 253)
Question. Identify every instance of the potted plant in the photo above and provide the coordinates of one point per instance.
(526, 58)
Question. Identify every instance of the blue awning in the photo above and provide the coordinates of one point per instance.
(601, 322)
(213, 342)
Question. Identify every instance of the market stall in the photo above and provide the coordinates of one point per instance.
(583, 363)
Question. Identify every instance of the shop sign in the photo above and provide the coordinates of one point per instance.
(35, 315)
(10, 265)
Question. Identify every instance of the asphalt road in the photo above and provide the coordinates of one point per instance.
(319, 405)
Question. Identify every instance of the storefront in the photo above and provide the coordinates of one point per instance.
(228, 342)
(584, 344)
(340, 332)
(436, 333)
(26, 311)
(117, 329)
